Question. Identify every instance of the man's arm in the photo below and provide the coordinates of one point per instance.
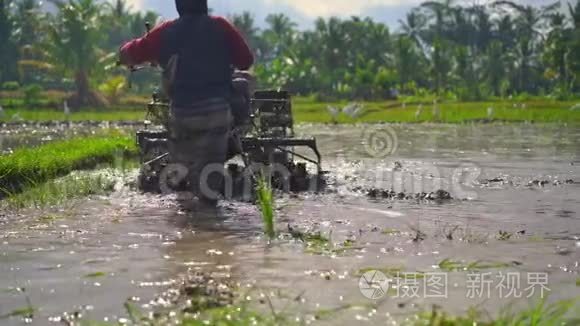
(242, 56)
(144, 49)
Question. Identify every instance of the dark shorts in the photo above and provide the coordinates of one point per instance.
(199, 141)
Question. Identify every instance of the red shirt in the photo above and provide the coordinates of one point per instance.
(148, 47)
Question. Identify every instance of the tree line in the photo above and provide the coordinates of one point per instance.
(440, 48)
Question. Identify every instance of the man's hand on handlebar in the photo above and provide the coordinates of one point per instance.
(124, 59)
(132, 67)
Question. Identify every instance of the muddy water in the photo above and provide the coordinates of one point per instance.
(13, 138)
(521, 180)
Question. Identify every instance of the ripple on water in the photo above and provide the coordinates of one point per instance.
(141, 242)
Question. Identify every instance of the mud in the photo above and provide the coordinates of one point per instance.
(512, 206)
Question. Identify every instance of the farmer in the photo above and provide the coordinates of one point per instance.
(198, 54)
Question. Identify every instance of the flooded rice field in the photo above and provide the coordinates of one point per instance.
(511, 231)
(18, 135)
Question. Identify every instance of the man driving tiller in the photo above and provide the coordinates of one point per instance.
(198, 54)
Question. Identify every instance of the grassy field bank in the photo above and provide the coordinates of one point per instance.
(60, 191)
(29, 167)
(307, 110)
(87, 115)
(451, 112)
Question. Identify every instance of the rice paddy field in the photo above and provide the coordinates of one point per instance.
(433, 214)
(309, 111)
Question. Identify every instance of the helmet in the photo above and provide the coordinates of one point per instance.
(191, 7)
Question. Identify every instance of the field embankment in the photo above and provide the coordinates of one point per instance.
(29, 167)
(540, 111)
(307, 110)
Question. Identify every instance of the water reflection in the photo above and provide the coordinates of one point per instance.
(142, 243)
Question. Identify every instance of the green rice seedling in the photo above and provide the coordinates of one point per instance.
(449, 265)
(96, 275)
(542, 314)
(31, 166)
(393, 272)
(12, 290)
(504, 235)
(322, 314)
(317, 244)
(316, 239)
(266, 205)
(134, 314)
(578, 281)
(48, 219)
(318, 247)
(389, 231)
(85, 115)
(58, 191)
(235, 315)
(25, 312)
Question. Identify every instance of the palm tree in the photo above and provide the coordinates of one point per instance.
(28, 17)
(332, 41)
(117, 18)
(73, 36)
(409, 61)
(137, 22)
(440, 13)
(9, 52)
(505, 32)
(467, 73)
(279, 36)
(413, 26)
(575, 14)
(482, 27)
(557, 50)
(246, 23)
(437, 36)
(575, 43)
(530, 25)
(495, 68)
(376, 42)
(28, 35)
(281, 26)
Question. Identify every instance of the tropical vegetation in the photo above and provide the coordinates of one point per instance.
(441, 48)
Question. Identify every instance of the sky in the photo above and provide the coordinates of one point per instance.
(304, 12)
